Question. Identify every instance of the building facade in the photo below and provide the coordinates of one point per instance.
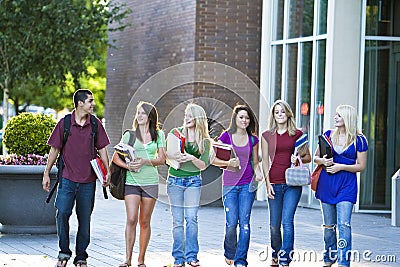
(317, 54)
(164, 34)
(152, 60)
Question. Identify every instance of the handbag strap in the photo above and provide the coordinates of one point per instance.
(301, 162)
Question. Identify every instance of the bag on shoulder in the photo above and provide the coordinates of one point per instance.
(118, 174)
(298, 175)
(315, 177)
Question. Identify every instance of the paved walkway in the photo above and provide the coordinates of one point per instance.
(376, 241)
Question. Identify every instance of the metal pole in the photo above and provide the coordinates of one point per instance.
(396, 199)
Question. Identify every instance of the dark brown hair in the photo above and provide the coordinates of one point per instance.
(152, 113)
(251, 129)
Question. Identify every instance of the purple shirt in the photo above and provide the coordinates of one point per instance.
(246, 173)
(77, 153)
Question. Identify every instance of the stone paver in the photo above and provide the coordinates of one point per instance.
(376, 241)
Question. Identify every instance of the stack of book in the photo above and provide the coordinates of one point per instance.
(127, 151)
(181, 138)
(99, 169)
(101, 172)
(225, 152)
(175, 144)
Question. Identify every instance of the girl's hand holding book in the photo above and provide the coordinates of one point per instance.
(234, 162)
(327, 161)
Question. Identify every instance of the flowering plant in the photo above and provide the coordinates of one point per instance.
(30, 159)
(25, 137)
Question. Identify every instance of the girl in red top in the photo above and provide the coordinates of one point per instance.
(277, 146)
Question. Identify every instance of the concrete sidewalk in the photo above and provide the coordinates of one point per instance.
(375, 241)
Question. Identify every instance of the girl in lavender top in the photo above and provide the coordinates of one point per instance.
(238, 192)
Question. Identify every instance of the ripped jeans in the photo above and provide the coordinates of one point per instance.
(238, 201)
(337, 216)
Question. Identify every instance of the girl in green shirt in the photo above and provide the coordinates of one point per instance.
(141, 187)
(184, 185)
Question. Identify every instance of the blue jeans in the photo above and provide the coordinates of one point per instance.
(238, 201)
(337, 216)
(70, 193)
(281, 211)
(184, 199)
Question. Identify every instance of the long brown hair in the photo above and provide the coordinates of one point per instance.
(251, 129)
(152, 114)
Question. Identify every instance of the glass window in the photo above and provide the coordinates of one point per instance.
(396, 18)
(291, 74)
(319, 90)
(322, 16)
(380, 16)
(301, 18)
(305, 87)
(278, 19)
(276, 72)
(375, 120)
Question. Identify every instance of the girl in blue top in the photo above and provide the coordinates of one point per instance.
(337, 185)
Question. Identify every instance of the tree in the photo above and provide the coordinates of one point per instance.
(44, 43)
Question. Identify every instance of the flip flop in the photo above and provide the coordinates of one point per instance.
(228, 261)
(62, 262)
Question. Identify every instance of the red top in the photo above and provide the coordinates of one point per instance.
(77, 153)
(280, 149)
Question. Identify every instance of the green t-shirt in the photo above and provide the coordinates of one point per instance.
(148, 175)
(188, 169)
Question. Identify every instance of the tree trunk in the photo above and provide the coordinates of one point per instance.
(5, 111)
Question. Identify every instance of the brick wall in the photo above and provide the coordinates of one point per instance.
(162, 34)
(165, 33)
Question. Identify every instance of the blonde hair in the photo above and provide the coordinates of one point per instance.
(291, 122)
(349, 115)
(201, 125)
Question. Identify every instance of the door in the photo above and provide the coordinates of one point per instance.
(380, 119)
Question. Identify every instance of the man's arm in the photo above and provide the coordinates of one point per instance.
(50, 162)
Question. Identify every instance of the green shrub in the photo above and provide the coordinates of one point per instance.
(27, 133)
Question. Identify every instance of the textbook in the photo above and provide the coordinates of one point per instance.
(99, 169)
(101, 172)
(301, 141)
(225, 152)
(174, 145)
(325, 146)
(182, 139)
(126, 150)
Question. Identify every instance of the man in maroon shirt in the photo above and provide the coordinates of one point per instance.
(78, 183)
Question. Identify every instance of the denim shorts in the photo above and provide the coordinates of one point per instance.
(150, 191)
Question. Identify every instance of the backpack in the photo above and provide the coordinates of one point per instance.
(67, 127)
(254, 183)
(60, 163)
(118, 174)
